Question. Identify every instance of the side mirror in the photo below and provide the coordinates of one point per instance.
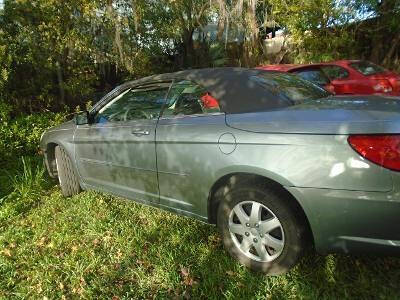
(82, 118)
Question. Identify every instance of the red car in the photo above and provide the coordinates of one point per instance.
(346, 77)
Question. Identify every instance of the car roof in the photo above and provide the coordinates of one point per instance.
(280, 67)
(234, 88)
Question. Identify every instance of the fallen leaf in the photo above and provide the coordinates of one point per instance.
(82, 281)
(187, 279)
(230, 273)
(41, 241)
(184, 272)
(7, 252)
(119, 254)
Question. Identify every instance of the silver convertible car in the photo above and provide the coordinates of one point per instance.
(277, 163)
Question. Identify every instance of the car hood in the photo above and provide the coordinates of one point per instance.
(332, 115)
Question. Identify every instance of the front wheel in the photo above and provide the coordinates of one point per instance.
(261, 229)
(67, 176)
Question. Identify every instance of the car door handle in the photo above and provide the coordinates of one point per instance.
(140, 132)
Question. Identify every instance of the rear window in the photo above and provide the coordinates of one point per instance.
(367, 68)
(290, 87)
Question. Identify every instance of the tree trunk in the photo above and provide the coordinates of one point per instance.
(188, 47)
(60, 81)
(394, 46)
(221, 19)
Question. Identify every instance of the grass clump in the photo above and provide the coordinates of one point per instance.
(25, 184)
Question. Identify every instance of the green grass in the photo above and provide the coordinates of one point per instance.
(97, 246)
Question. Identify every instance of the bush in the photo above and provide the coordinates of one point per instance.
(21, 135)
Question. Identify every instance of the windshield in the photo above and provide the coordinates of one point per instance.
(290, 87)
(367, 68)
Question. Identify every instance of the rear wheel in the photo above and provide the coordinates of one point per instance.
(261, 229)
(67, 176)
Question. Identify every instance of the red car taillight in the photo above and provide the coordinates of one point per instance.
(383, 150)
(383, 86)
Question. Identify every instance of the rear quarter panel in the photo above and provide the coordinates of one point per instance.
(306, 160)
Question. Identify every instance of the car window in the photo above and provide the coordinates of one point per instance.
(367, 68)
(137, 103)
(314, 75)
(189, 98)
(335, 72)
(290, 87)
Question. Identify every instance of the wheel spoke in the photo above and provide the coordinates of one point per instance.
(255, 215)
(241, 214)
(274, 243)
(245, 245)
(261, 251)
(269, 225)
(237, 228)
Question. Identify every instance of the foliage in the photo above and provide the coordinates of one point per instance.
(325, 30)
(56, 54)
(20, 135)
(5, 60)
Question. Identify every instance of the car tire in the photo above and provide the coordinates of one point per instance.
(67, 176)
(274, 235)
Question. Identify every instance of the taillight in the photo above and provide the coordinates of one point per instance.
(383, 86)
(383, 150)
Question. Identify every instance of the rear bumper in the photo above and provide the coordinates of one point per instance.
(352, 221)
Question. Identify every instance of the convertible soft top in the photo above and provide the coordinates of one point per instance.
(234, 88)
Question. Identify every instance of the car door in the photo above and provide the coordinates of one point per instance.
(187, 147)
(116, 152)
(340, 79)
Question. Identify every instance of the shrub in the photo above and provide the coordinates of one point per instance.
(21, 135)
